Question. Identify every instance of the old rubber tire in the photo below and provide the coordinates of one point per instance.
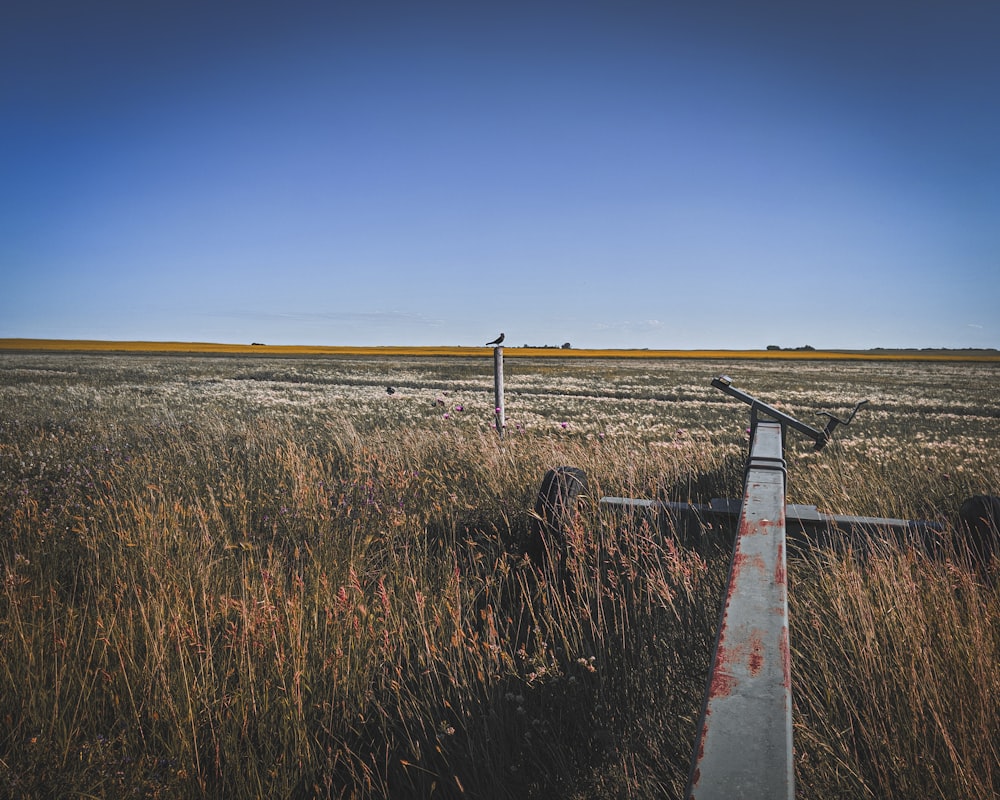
(980, 517)
(555, 510)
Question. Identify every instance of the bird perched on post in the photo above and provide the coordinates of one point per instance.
(498, 340)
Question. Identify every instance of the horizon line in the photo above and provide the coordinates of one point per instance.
(259, 349)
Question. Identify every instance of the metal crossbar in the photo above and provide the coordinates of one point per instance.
(804, 524)
(725, 384)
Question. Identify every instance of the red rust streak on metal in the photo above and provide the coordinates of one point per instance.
(722, 682)
(786, 658)
(780, 571)
(738, 561)
(742, 560)
(755, 661)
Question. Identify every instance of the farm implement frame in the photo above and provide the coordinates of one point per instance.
(744, 741)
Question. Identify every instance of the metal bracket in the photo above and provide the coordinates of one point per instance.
(834, 421)
(820, 437)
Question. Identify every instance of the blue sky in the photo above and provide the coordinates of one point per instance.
(621, 174)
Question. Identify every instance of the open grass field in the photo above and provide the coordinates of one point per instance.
(267, 577)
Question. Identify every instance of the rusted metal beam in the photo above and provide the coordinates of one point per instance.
(744, 744)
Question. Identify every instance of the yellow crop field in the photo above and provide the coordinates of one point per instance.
(89, 345)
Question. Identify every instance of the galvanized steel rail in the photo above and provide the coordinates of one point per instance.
(804, 524)
(744, 745)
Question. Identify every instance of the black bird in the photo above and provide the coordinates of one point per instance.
(498, 340)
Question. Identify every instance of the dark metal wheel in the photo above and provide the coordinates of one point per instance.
(555, 509)
(980, 517)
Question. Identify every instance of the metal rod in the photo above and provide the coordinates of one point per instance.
(744, 744)
(724, 384)
(795, 514)
(498, 388)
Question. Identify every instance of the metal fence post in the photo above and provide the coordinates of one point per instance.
(498, 388)
(744, 745)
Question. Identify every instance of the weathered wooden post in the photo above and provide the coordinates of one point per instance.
(498, 388)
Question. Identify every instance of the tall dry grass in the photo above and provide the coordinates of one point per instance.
(207, 599)
(896, 675)
(231, 609)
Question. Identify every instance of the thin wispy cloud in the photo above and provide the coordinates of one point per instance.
(630, 326)
(367, 318)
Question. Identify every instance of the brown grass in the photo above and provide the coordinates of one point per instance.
(205, 595)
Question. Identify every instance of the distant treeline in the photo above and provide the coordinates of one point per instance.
(942, 350)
